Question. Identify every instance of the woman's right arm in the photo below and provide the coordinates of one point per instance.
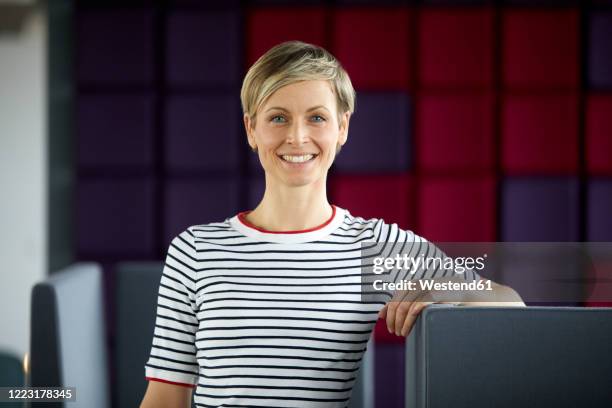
(163, 395)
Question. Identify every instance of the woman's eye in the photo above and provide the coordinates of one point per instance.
(318, 118)
(274, 119)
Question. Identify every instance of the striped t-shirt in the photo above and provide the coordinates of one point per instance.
(253, 318)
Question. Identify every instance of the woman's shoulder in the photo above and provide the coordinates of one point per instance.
(208, 230)
(384, 230)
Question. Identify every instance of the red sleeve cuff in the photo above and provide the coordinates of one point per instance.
(170, 382)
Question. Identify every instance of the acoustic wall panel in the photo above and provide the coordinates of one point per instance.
(389, 197)
(115, 130)
(455, 133)
(115, 46)
(115, 217)
(456, 47)
(267, 27)
(385, 33)
(202, 132)
(379, 136)
(600, 50)
(599, 210)
(457, 209)
(540, 134)
(544, 209)
(598, 134)
(203, 48)
(198, 201)
(540, 48)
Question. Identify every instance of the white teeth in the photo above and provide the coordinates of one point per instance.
(298, 159)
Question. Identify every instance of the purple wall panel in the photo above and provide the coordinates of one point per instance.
(115, 130)
(257, 186)
(202, 132)
(115, 46)
(540, 209)
(599, 213)
(600, 50)
(203, 48)
(191, 202)
(115, 217)
(379, 135)
(389, 375)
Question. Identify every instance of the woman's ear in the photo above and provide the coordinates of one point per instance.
(344, 126)
(248, 127)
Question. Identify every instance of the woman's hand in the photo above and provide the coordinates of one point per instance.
(403, 309)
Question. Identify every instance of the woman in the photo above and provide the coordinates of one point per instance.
(265, 308)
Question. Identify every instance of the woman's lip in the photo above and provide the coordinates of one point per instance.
(296, 154)
(299, 164)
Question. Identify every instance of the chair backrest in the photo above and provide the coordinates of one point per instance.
(68, 336)
(136, 287)
(510, 357)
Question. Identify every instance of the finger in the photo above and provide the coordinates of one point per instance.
(382, 314)
(413, 313)
(393, 304)
(401, 314)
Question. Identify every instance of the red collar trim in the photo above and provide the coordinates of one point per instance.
(243, 220)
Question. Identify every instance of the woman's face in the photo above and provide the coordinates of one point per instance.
(297, 133)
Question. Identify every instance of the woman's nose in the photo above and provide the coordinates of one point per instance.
(298, 134)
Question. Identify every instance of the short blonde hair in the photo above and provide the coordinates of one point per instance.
(290, 62)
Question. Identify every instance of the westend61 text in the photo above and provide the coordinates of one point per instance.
(432, 284)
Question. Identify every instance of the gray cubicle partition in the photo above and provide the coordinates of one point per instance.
(68, 336)
(136, 286)
(510, 357)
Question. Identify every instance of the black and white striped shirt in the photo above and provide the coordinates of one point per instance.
(254, 318)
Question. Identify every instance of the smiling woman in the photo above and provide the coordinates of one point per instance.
(266, 308)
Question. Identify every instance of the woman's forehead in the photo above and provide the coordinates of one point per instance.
(302, 95)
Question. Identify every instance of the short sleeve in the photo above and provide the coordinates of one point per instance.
(173, 353)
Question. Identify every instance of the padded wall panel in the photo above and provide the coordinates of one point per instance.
(385, 33)
(543, 209)
(257, 186)
(203, 48)
(389, 197)
(115, 46)
(389, 375)
(379, 136)
(202, 132)
(115, 130)
(115, 217)
(599, 210)
(456, 47)
(455, 133)
(540, 48)
(193, 202)
(270, 26)
(600, 50)
(457, 209)
(599, 134)
(540, 134)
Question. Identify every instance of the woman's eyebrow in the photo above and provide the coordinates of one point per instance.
(308, 110)
(317, 107)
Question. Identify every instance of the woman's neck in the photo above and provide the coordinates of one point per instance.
(291, 208)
